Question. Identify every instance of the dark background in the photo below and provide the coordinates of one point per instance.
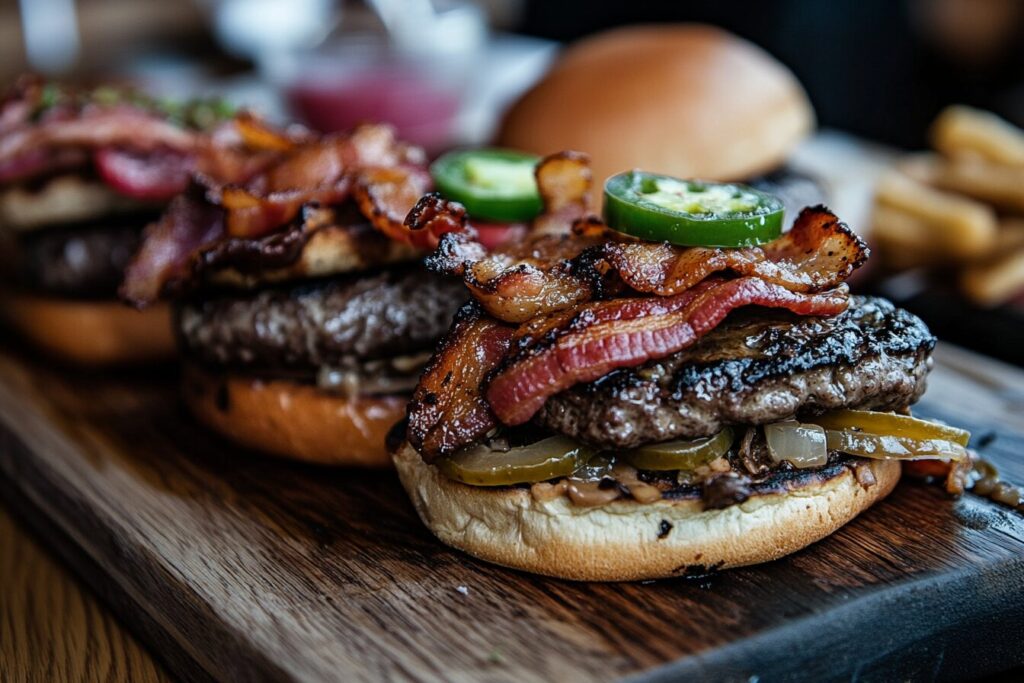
(879, 68)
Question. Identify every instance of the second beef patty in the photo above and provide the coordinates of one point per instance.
(313, 326)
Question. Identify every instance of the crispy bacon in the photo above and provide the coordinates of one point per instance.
(253, 216)
(546, 272)
(369, 164)
(542, 274)
(322, 172)
(433, 216)
(256, 134)
(140, 147)
(387, 195)
(564, 181)
(599, 337)
(817, 253)
(95, 128)
(448, 409)
(954, 475)
(187, 225)
(152, 176)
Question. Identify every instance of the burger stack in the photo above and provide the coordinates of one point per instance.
(302, 310)
(82, 171)
(623, 399)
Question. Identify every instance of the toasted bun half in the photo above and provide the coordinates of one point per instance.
(64, 199)
(331, 250)
(91, 333)
(687, 100)
(626, 540)
(294, 420)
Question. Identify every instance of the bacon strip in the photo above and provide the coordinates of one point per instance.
(94, 128)
(448, 409)
(368, 164)
(387, 195)
(150, 176)
(817, 253)
(539, 275)
(188, 224)
(138, 146)
(547, 273)
(252, 216)
(433, 217)
(603, 336)
(323, 171)
(563, 181)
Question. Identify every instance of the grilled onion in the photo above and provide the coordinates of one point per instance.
(801, 444)
(882, 436)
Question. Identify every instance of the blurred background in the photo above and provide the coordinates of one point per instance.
(881, 69)
(877, 72)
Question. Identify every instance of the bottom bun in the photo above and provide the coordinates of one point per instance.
(94, 333)
(294, 420)
(625, 540)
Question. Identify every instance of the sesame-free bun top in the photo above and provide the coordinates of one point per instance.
(687, 100)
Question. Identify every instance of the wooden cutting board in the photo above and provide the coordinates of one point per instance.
(237, 567)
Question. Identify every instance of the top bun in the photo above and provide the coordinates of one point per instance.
(687, 100)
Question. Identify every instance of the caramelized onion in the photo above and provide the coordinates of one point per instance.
(804, 445)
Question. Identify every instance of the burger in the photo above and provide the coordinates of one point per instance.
(82, 171)
(686, 100)
(302, 310)
(675, 387)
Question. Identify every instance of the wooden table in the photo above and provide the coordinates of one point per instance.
(240, 567)
(52, 628)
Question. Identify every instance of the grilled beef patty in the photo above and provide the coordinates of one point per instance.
(329, 324)
(80, 261)
(757, 367)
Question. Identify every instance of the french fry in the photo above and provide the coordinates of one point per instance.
(920, 166)
(958, 227)
(998, 184)
(904, 240)
(1010, 236)
(990, 284)
(961, 131)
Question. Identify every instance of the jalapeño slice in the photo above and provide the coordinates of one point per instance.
(551, 458)
(681, 454)
(690, 212)
(890, 424)
(493, 184)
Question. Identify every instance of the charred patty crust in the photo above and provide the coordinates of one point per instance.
(755, 368)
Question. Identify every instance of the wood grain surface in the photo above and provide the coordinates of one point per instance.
(238, 567)
(52, 629)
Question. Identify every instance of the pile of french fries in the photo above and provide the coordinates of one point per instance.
(960, 208)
